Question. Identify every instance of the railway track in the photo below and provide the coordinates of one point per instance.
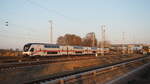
(9, 59)
(19, 59)
(61, 78)
(38, 61)
(29, 62)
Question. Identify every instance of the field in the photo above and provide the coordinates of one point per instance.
(10, 52)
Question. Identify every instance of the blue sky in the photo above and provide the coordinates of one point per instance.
(28, 20)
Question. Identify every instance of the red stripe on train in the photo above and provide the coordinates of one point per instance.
(64, 51)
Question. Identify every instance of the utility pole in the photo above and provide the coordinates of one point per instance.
(93, 36)
(103, 39)
(51, 32)
(123, 38)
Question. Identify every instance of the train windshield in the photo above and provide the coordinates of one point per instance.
(26, 47)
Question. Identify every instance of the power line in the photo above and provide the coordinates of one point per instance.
(1, 19)
(47, 9)
(18, 37)
(30, 29)
(4, 25)
(16, 33)
(8, 23)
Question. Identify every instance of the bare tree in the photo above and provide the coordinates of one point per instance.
(72, 39)
(61, 40)
(89, 40)
(69, 39)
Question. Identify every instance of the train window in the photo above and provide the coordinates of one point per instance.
(26, 47)
(32, 49)
(94, 48)
(78, 47)
(51, 46)
(94, 51)
(78, 52)
(52, 52)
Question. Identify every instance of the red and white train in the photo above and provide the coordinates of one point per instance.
(44, 49)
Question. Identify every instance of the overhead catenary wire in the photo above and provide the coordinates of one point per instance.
(2, 19)
(5, 23)
(49, 10)
(5, 30)
(17, 37)
(8, 23)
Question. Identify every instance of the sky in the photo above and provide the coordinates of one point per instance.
(28, 20)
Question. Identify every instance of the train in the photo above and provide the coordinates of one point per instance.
(45, 49)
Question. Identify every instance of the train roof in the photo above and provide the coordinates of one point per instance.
(78, 47)
(41, 44)
(49, 44)
(93, 47)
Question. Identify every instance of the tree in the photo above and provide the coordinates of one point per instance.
(89, 40)
(61, 40)
(69, 39)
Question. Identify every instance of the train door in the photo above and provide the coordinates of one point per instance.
(64, 50)
(39, 50)
(69, 50)
(85, 51)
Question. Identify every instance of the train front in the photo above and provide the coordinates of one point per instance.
(26, 51)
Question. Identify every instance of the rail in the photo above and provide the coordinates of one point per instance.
(21, 64)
